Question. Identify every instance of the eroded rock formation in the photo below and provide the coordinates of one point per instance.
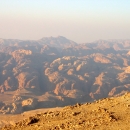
(57, 71)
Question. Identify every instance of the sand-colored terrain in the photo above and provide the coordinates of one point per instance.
(106, 114)
(56, 72)
(11, 119)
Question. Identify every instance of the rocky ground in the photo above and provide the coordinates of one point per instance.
(105, 114)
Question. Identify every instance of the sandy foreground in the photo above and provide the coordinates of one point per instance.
(12, 119)
(106, 114)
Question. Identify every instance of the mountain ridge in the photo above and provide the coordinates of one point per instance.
(58, 72)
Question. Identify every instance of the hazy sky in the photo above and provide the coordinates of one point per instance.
(78, 20)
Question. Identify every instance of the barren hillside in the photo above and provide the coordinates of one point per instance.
(106, 114)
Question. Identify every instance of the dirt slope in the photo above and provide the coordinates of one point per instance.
(106, 114)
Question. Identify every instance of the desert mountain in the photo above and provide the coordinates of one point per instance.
(56, 71)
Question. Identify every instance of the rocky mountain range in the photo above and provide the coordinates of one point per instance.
(55, 71)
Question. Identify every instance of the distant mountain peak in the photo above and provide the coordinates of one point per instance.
(57, 41)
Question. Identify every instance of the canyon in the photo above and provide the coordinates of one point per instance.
(55, 72)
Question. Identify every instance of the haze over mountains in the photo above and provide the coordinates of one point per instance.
(55, 71)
